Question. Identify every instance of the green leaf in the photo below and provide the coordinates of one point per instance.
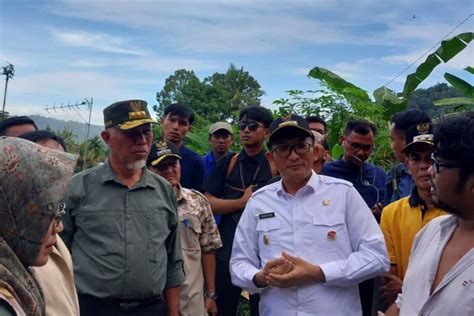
(390, 102)
(454, 101)
(462, 86)
(336, 151)
(470, 69)
(448, 49)
(333, 81)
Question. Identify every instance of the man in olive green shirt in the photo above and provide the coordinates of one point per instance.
(121, 225)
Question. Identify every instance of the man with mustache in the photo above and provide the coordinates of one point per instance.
(440, 275)
(198, 232)
(121, 225)
(403, 219)
(358, 143)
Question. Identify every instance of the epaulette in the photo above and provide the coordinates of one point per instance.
(269, 187)
(332, 180)
(199, 194)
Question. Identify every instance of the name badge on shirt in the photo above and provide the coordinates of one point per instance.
(266, 215)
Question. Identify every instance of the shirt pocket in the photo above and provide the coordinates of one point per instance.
(269, 232)
(190, 232)
(328, 234)
(100, 229)
(158, 232)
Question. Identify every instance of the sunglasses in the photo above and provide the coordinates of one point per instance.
(437, 163)
(252, 125)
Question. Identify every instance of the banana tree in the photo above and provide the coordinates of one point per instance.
(394, 102)
(464, 87)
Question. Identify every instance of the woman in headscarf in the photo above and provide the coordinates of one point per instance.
(33, 180)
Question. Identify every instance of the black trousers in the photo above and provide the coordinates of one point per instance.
(94, 306)
(366, 291)
(228, 295)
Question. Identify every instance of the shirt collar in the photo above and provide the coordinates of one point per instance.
(260, 157)
(415, 200)
(108, 175)
(311, 186)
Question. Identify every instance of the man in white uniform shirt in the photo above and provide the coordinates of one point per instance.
(305, 242)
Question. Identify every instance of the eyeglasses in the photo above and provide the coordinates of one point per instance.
(357, 146)
(163, 166)
(57, 217)
(416, 158)
(285, 150)
(444, 164)
(252, 125)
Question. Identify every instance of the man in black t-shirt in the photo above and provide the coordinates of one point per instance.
(229, 187)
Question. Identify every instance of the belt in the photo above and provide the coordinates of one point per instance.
(128, 305)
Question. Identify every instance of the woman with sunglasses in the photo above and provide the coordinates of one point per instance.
(33, 180)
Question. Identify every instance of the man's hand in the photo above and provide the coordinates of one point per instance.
(211, 306)
(302, 273)
(377, 210)
(392, 285)
(276, 266)
(247, 194)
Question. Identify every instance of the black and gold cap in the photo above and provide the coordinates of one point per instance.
(160, 150)
(291, 121)
(420, 133)
(127, 114)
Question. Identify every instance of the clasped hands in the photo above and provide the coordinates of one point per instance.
(288, 271)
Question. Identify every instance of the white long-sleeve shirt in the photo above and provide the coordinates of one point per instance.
(326, 223)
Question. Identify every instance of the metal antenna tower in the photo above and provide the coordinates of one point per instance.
(75, 107)
(9, 72)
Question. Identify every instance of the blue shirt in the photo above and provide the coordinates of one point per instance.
(369, 180)
(192, 169)
(399, 183)
(209, 162)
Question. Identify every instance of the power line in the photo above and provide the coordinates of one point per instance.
(429, 50)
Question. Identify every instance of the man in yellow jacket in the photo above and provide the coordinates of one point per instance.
(403, 219)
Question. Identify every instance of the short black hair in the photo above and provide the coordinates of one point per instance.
(454, 142)
(15, 121)
(316, 119)
(257, 113)
(403, 120)
(36, 136)
(181, 110)
(362, 127)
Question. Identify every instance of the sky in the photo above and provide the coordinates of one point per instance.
(66, 51)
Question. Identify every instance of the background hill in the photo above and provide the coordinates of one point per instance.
(78, 129)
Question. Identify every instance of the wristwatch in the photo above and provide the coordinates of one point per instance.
(210, 295)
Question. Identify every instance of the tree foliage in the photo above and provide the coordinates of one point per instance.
(218, 97)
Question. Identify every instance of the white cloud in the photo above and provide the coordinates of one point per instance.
(100, 41)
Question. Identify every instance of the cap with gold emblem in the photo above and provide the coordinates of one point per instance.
(420, 133)
(160, 150)
(127, 114)
(284, 123)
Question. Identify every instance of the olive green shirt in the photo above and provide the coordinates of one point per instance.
(124, 242)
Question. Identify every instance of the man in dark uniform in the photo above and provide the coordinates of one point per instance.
(121, 225)
(228, 189)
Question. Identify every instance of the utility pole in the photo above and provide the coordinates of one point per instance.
(75, 108)
(9, 72)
